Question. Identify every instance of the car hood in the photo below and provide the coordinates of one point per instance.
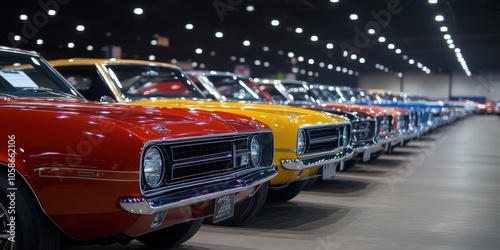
(149, 122)
(259, 111)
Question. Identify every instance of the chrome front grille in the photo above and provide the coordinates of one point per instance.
(363, 131)
(326, 138)
(195, 161)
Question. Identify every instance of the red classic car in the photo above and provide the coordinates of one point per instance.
(79, 172)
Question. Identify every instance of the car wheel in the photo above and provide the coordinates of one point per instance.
(245, 209)
(171, 236)
(32, 228)
(286, 193)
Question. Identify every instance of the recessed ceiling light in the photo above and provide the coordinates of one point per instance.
(138, 11)
(353, 57)
(299, 30)
(246, 43)
(233, 58)
(449, 41)
(275, 23)
(242, 59)
(265, 48)
(198, 51)
(398, 51)
(80, 28)
(310, 61)
(290, 54)
(391, 46)
(362, 60)
(334, 1)
(266, 64)
(371, 31)
(152, 57)
(443, 29)
(219, 34)
(39, 41)
(71, 45)
(381, 39)
(439, 18)
(457, 50)
(154, 42)
(189, 26)
(405, 57)
(212, 53)
(451, 46)
(411, 61)
(433, 1)
(250, 8)
(51, 12)
(447, 36)
(321, 64)
(314, 38)
(257, 62)
(329, 45)
(23, 17)
(300, 58)
(353, 17)
(338, 68)
(90, 48)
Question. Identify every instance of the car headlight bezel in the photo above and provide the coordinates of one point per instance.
(301, 142)
(255, 150)
(153, 175)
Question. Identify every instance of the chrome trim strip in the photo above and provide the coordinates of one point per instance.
(193, 195)
(297, 164)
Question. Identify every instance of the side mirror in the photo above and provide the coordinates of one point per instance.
(80, 83)
(107, 98)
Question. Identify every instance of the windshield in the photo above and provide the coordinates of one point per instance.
(29, 76)
(139, 81)
(235, 88)
(300, 93)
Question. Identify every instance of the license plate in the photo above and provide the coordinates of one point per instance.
(224, 208)
(329, 171)
(367, 154)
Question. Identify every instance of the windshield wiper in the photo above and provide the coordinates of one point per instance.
(50, 91)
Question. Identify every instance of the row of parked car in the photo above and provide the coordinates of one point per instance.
(99, 151)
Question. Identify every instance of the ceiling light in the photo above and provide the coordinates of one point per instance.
(321, 64)
(51, 12)
(411, 61)
(424, 68)
(300, 58)
(242, 59)
(189, 26)
(265, 48)
(138, 11)
(345, 54)
(310, 61)
(174, 61)
(356, 73)
(350, 72)
(219, 34)
(233, 58)
(23, 17)
(314, 38)
(338, 68)
(447, 36)
(90, 48)
(451, 46)
(433, 1)
(371, 31)
(275, 23)
(257, 62)
(344, 70)
(377, 66)
(294, 70)
(310, 73)
(280, 52)
(353, 17)
(202, 65)
(362, 60)
(302, 71)
(381, 39)
(443, 29)
(154, 42)
(246, 43)
(80, 28)
(39, 41)
(266, 64)
(457, 50)
(17, 38)
(198, 51)
(449, 41)
(330, 66)
(329, 45)
(398, 51)
(439, 18)
(400, 74)
(299, 30)
(405, 57)
(353, 57)
(386, 69)
(212, 53)
(391, 46)
(316, 74)
(419, 65)
(71, 45)
(381, 67)
(250, 8)
(152, 57)
(290, 54)
(334, 1)
(428, 71)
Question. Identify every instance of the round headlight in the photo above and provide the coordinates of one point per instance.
(301, 142)
(255, 150)
(153, 167)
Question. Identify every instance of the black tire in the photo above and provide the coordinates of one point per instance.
(245, 209)
(171, 236)
(282, 194)
(33, 229)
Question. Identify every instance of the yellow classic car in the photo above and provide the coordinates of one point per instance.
(307, 143)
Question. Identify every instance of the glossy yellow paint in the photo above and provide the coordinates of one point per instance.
(285, 121)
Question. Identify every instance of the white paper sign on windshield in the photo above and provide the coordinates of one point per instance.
(18, 79)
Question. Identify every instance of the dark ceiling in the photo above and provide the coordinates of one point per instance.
(474, 27)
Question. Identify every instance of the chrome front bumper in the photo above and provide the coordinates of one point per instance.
(299, 164)
(193, 195)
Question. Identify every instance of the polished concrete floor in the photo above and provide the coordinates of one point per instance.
(440, 192)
